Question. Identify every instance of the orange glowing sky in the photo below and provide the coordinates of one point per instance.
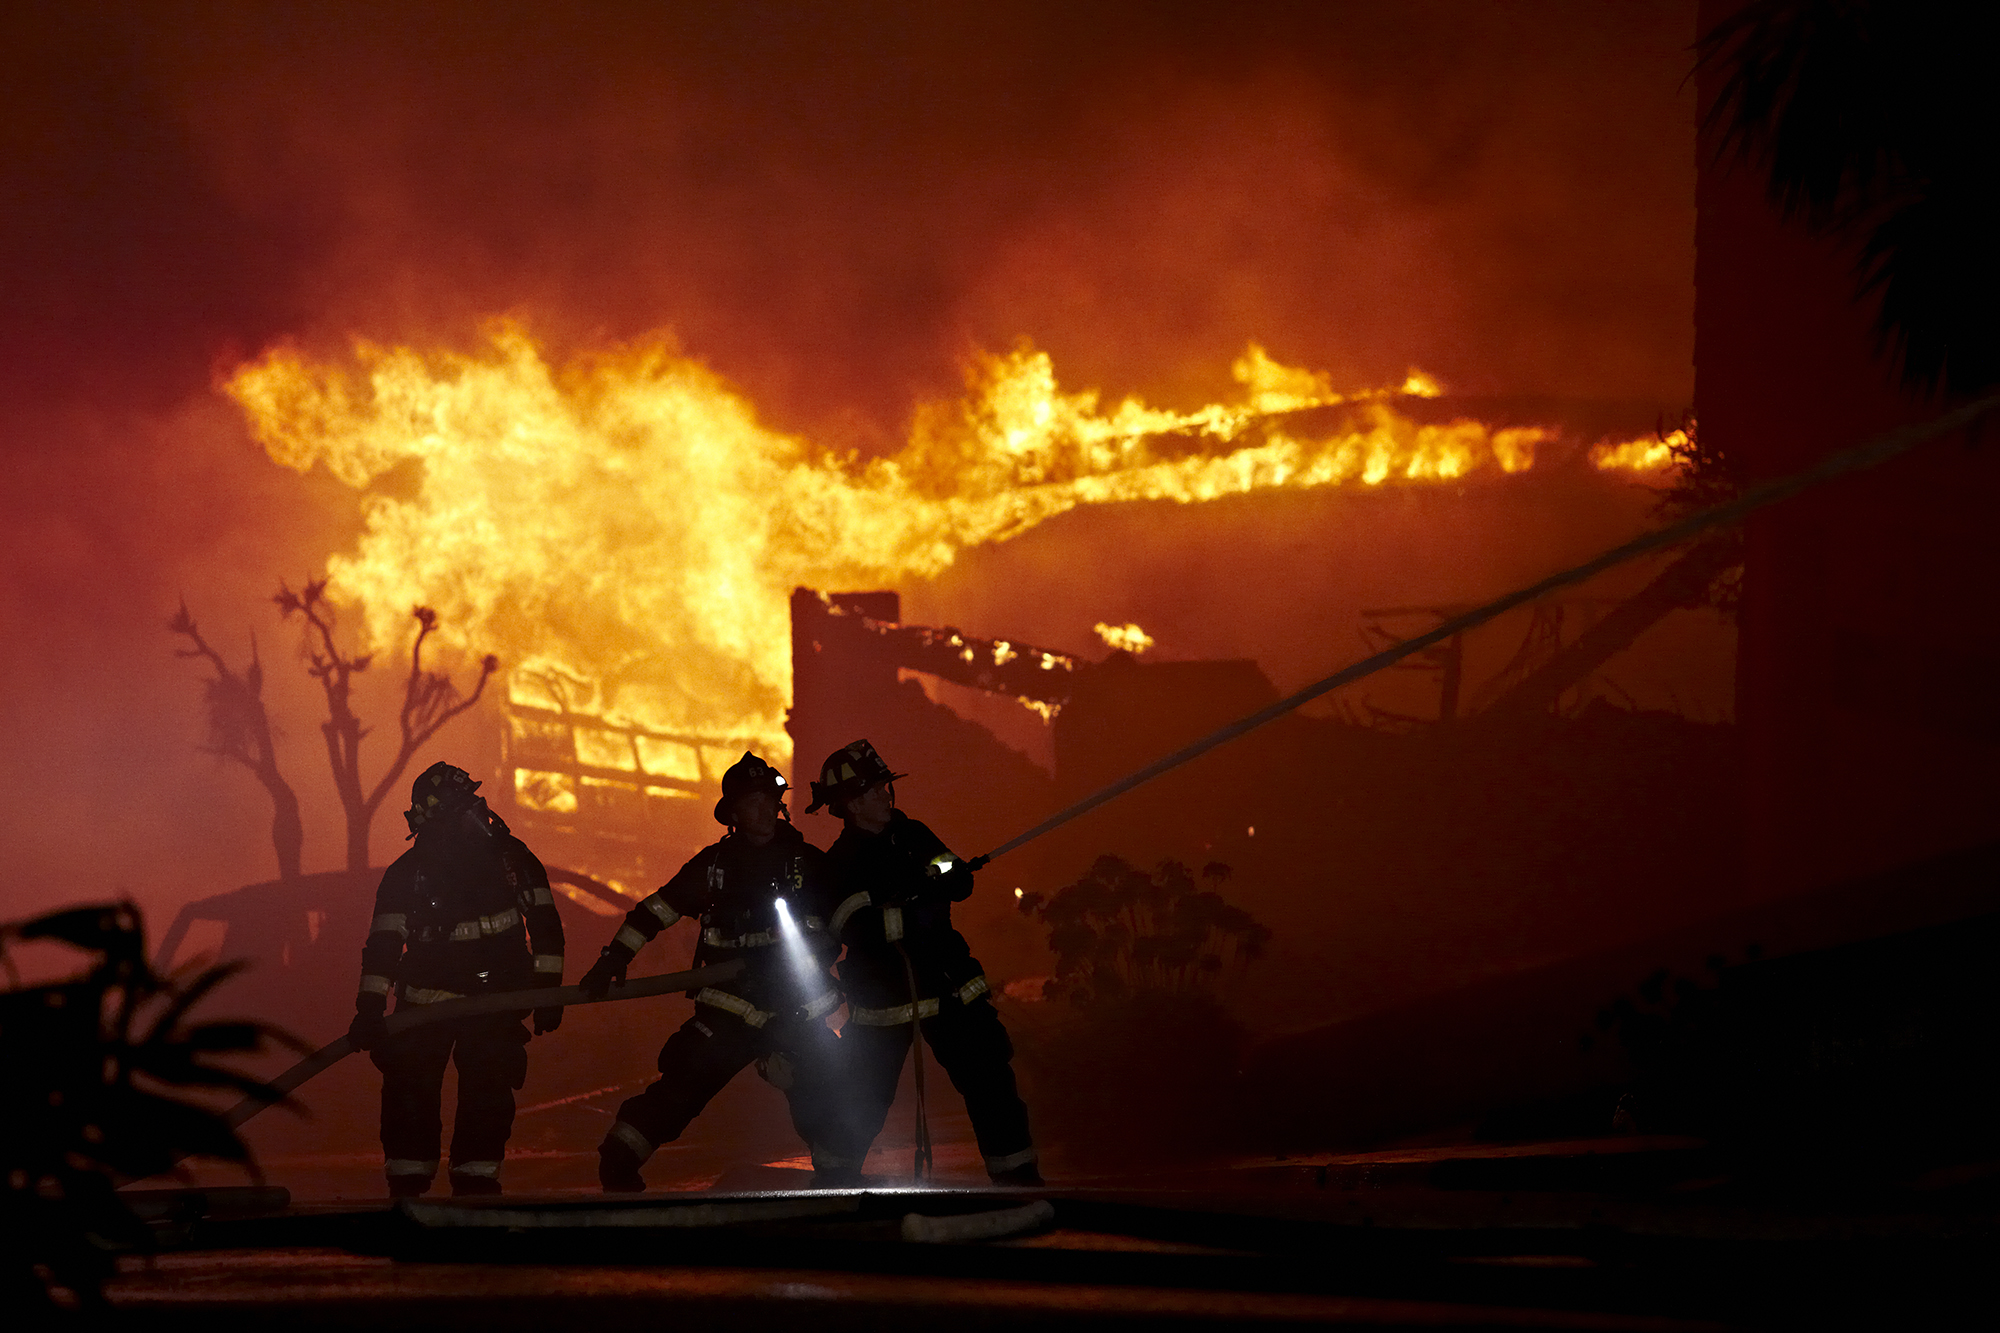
(832, 208)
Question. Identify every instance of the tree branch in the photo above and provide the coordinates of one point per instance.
(430, 701)
(240, 729)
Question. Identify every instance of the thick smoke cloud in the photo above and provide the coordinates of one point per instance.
(831, 204)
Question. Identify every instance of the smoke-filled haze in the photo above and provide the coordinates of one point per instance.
(830, 205)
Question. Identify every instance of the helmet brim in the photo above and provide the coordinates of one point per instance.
(465, 797)
(722, 805)
(823, 797)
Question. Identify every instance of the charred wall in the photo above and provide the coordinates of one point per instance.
(849, 685)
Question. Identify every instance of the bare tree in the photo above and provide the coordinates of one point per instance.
(240, 729)
(429, 701)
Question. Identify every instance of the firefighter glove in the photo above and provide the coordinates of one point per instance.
(956, 883)
(548, 1019)
(368, 1030)
(596, 983)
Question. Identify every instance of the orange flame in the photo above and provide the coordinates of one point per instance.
(1649, 453)
(624, 527)
(1126, 638)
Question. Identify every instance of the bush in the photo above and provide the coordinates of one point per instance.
(1140, 1060)
(77, 1111)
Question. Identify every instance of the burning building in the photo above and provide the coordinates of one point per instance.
(640, 551)
(626, 534)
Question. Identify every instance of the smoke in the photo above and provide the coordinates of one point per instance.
(830, 204)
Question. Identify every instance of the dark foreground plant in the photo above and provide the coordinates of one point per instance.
(1825, 1067)
(1873, 123)
(84, 1103)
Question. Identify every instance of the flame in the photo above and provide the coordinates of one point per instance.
(1647, 454)
(1124, 638)
(624, 531)
(1419, 385)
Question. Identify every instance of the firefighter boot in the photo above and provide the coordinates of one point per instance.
(1026, 1174)
(618, 1169)
(407, 1184)
(475, 1181)
(836, 1178)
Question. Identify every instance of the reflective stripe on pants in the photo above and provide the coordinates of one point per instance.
(711, 1048)
(631, 1138)
(971, 1044)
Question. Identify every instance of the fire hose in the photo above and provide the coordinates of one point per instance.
(1834, 466)
(403, 1020)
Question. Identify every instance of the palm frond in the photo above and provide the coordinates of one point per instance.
(1873, 121)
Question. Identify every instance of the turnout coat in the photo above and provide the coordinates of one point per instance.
(894, 916)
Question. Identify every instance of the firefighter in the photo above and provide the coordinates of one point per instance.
(773, 1013)
(467, 910)
(907, 970)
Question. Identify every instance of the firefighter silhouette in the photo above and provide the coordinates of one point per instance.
(773, 1013)
(908, 971)
(465, 911)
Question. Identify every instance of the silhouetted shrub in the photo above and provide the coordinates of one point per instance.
(1879, 1056)
(1142, 1061)
(1120, 932)
(79, 1109)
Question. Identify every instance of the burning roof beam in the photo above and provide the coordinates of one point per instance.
(999, 666)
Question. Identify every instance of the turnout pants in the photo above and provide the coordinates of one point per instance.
(801, 1058)
(971, 1043)
(491, 1052)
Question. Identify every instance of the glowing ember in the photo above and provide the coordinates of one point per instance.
(625, 533)
(1649, 454)
(1420, 385)
(1125, 638)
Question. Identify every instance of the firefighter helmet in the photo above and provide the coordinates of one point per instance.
(847, 772)
(439, 792)
(746, 775)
